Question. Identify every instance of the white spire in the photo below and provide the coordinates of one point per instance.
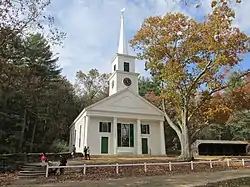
(122, 48)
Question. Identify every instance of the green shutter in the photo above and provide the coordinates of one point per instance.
(119, 134)
(131, 135)
(100, 127)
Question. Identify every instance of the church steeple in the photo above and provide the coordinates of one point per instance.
(123, 66)
(122, 48)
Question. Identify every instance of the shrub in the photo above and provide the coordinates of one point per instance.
(59, 146)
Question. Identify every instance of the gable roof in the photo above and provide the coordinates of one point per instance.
(125, 101)
(110, 98)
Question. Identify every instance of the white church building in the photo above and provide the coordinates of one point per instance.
(123, 123)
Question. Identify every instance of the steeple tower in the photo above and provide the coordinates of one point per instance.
(122, 48)
(123, 66)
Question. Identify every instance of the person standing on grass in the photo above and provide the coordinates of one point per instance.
(73, 152)
(88, 153)
(85, 152)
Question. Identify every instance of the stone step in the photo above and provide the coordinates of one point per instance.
(28, 168)
(30, 177)
(32, 165)
(31, 172)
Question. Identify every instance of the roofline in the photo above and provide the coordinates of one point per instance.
(220, 141)
(110, 97)
(145, 100)
(125, 55)
(122, 72)
(111, 76)
(78, 117)
(152, 117)
(137, 95)
(105, 99)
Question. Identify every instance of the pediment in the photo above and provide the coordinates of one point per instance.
(128, 102)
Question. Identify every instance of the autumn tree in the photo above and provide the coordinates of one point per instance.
(190, 58)
(92, 86)
(199, 2)
(237, 98)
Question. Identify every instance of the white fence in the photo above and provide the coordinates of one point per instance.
(170, 164)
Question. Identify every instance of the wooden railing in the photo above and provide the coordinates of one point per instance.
(145, 164)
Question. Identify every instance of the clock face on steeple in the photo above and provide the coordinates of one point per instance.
(127, 81)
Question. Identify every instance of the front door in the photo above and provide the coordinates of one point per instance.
(104, 145)
(144, 145)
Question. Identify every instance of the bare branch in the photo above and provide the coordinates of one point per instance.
(179, 123)
(196, 79)
(195, 134)
(197, 131)
(170, 122)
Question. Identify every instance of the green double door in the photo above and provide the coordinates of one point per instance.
(144, 142)
(104, 145)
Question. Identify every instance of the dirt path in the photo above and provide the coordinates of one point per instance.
(159, 181)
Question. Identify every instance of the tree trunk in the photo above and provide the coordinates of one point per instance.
(32, 138)
(23, 130)
(185, 136)
(43, 142)
(182, 132)
(185, 146)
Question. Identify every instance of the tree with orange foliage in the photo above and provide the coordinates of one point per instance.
(240, 95)
(198, 2)
(189, 58)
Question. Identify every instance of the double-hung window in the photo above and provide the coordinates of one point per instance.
(145, 129)
(105, 127)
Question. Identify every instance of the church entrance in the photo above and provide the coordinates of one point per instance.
(144, 142)
(104, 145)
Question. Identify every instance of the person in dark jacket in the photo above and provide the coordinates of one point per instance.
(63, 162)
(85, 152)
(73, 152)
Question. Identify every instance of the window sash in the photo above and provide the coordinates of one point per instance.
(75, 140)
(105, 127)
(80, 134)
(126, 66)
(145, 129)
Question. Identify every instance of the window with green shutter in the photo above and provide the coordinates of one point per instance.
(125, 135)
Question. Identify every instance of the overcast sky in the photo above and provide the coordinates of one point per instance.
(92, 28)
